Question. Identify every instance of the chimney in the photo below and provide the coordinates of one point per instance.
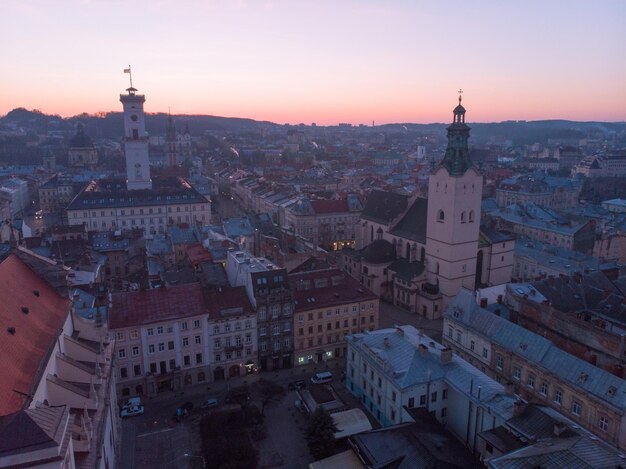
(386, 342)
(446, 355)
(483, 302)
(499, 299)
(559, 428)
(519, 406)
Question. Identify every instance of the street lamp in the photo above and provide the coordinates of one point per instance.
(187, 455)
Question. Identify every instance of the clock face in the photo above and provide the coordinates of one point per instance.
(133, 118)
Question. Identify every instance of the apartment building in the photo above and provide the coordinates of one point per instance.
(233, 332)
(267, 288)
(392, 370)
(329, 305)
(162, 339)
(58, 405)
(328, 223)
(170, 338)
(583, 314)
(539, 189)
(536, 369)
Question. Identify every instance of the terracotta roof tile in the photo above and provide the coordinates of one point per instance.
(330, 206)
(136, 308)
(36, 329)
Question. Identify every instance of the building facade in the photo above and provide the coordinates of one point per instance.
(536, 369)
(329, 305)
(268, 290)
(392, 370)
(329, 223)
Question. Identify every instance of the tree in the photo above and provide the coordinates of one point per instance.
(321, 434)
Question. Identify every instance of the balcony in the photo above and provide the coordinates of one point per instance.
(233, 347)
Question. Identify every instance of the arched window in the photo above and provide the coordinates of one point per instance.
(371, 233)
(379, 233)
(423, 254)
(440, 216)
(462, 217)
(471, 216)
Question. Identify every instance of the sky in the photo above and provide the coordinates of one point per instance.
(322, 61)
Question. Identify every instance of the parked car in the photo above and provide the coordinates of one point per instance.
(321, 378)
(210, 402)
(131, 411)
(299, 384)
(132, 402)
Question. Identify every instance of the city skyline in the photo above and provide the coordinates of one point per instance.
(293, 62)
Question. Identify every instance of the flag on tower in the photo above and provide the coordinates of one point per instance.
(127, 70)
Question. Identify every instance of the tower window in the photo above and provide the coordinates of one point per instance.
(462, 217)
(135, 134)
(471, 216)
(440, 216)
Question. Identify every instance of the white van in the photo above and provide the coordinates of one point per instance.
(321, 378)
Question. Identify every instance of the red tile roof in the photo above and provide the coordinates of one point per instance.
(330, 206)
(35, 331)
(229, 299)
(136, 308)
(197, 254)
(334, 288)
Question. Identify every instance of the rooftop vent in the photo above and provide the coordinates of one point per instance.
(25, 309)
(11, 330)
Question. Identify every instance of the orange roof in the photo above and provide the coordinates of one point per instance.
(37, 313)
(197, 254)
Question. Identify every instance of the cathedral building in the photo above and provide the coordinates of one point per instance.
(139, 202)
(420, 252)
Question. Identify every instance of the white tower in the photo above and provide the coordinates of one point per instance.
(454, 201)
(135, 140)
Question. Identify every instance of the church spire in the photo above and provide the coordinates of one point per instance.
(456, 159)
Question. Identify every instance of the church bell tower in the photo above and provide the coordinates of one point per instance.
(453, 219)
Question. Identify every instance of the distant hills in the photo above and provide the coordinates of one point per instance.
(109, 125)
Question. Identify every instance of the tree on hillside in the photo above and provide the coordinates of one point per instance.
(321, 434)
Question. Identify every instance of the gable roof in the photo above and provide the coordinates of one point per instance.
(36, 312)
(413, 224)
(383, 207)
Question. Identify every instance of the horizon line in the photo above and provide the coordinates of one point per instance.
(96, 115)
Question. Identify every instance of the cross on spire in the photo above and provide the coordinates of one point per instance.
(460, 97)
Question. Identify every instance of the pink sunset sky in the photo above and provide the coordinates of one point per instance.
(319, 61)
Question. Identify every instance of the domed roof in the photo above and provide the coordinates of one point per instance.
(459, 109)
(379, 251)
(81, 139)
